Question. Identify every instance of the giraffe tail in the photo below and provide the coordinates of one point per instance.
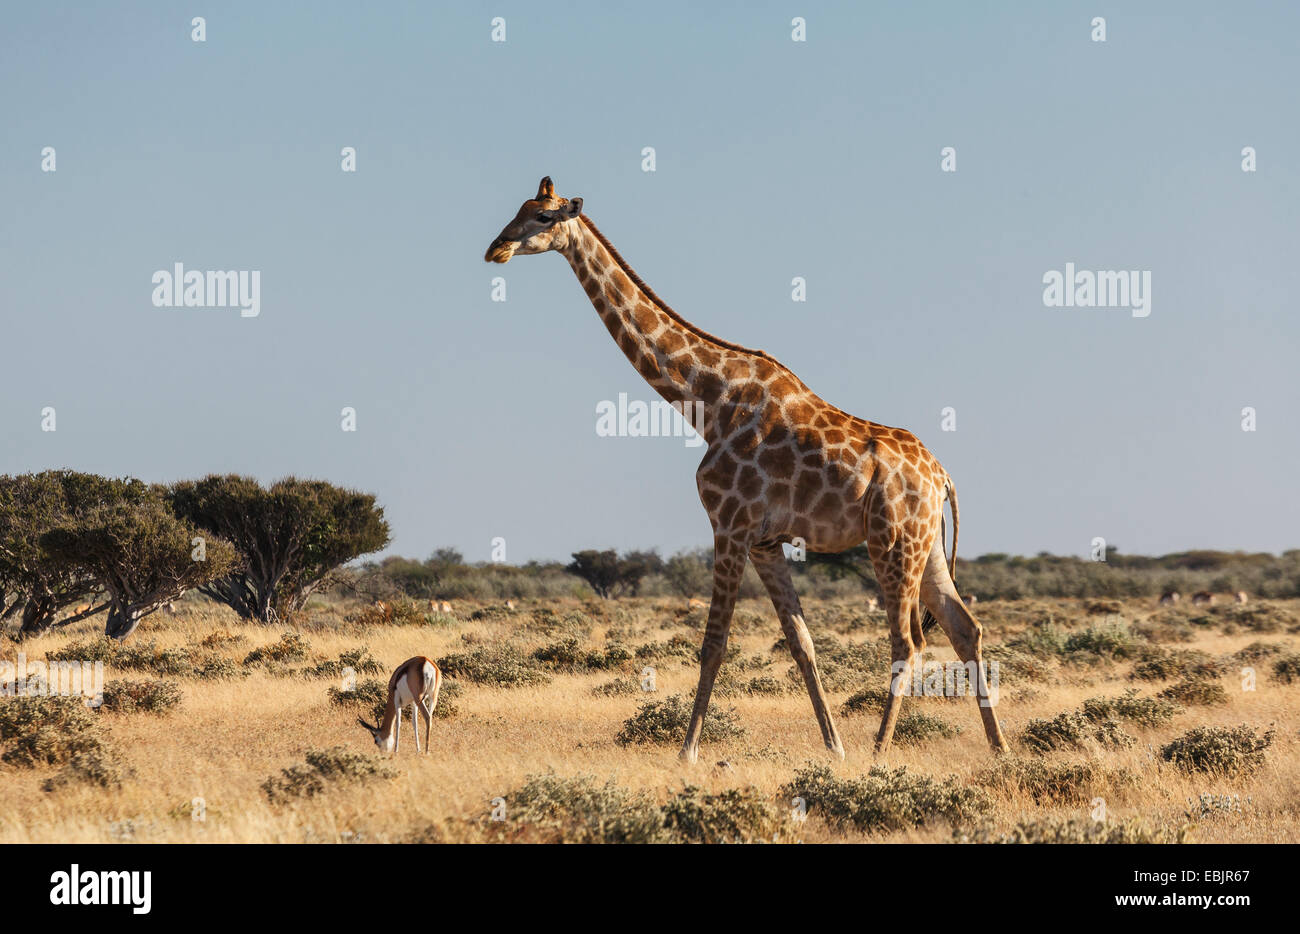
(928, 620)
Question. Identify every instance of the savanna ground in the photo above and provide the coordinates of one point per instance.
(540, 696)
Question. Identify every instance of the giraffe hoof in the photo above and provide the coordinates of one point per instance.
(688, 755)
(836, 750)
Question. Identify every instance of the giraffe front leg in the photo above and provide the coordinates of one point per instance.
(769, 561)
(728, 566)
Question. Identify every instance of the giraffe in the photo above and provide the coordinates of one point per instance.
(780, 463)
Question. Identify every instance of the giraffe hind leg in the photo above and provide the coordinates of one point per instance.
(963, 631)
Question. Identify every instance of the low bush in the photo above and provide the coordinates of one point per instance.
(155, 697)
(665, 722)
(885, 799)
(324, 768)
(1227, 751)
(1073, 730)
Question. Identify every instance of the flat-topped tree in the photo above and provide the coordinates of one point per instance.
(33, 582)
(142, 556)
(290, 536)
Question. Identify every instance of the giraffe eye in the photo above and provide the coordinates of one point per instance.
(545, 218)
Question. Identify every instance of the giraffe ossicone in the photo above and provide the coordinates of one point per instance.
(780, 464)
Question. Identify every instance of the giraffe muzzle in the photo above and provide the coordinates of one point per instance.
(500, 251)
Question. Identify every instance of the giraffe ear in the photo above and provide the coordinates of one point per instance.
(545, 189)
(574, 207)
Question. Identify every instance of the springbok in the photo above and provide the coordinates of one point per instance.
(1202, 598)
(1241, 597)
(440, 606)
(1170, 597)
(695, 603)
(416, 682)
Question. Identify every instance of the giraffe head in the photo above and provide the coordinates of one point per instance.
(543, 223)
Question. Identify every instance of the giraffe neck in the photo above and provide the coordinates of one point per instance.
(682, 363)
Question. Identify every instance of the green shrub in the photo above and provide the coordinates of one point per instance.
(1042, 639)
(155, 697)
(1228, 751)
(1144, 711)
(359, 660)
(868, 700)
(1073, 730)
(499, 665)
(729, 816)
(885, 799)
(1287, 668)
(325, 767)
(914, 728)
(1049, 783)
(665, 722)
(1164, 664)
(1109, 640)
(619, 687)
(92, 765)
(1073, 830)
(370, 697)
(568, 655)
(766, 686)
(550, 808)
(679, 646)
(1256, 652)
(292, 647)
(46, 730)
(1196, 693)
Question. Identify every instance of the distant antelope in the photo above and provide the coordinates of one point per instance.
(1202, 598)
(970, 599)
(440, 606)
(416, 682)
(81, 609)
(510, 605)
(695, 603)
(1241, 597)
(1170, 597)
(873, 603)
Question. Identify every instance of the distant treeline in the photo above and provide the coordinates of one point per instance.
(446, 575)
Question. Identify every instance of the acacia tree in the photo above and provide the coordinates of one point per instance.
(141, 555)
(605, 572)
(32, 581)
(289, 536)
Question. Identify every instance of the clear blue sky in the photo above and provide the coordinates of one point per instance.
(775, 159)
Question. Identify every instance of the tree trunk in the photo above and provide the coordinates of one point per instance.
(38, 617)
(121, 621)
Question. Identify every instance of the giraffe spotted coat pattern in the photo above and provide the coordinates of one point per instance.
(780, 464)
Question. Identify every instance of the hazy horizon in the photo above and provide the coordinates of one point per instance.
(775, 159)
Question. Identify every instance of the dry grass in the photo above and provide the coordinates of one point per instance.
(231, 734)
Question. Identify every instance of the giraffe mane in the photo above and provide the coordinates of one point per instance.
(663, 305)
